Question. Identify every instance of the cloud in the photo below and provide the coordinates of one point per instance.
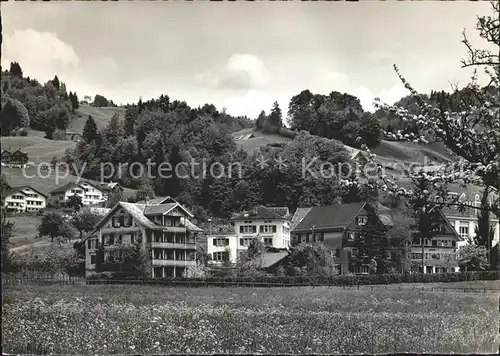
(389, 96)
(41, 54)
(253, 102)
(241, 72)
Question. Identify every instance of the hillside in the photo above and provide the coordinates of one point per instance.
(260, 139)
(39, 149)
(101, 116)
(389, 152)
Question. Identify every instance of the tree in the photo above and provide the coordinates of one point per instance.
(56, 82)
(472, 258)
(54, 226)
(6, 233)
(15, 69)
(255, 248)
(53, 162)
(145, 191)
(131, 114)
(312, 259)
(90, 130)
(74, 101)
(274, 120)
(471, 131)
(114, 130)
(84, 221)
(74, 202)
(374, 243)
(100, 101)
(259, 123)
(114, 198)
(13, 116)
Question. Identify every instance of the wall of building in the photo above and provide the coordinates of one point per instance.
(232, 247)
(280, 239)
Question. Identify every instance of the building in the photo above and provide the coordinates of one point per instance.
(90, 193)
(270, 224)
(110, 188)
(338, 227)
(73, 136)
(14, 159)
(24, 199)
(439, 252)
(465, 223)
(163, 230)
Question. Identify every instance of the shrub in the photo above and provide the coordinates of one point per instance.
(59, 135)
(287, 133)
(23, 132)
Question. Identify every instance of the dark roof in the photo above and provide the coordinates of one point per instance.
(158, 200)
(280, 210)
(158, 209)
(300, 214)
(70, 185)
(261, 213)
(333, 216)
(19, 189)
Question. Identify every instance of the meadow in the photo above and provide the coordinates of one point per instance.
(153, 320)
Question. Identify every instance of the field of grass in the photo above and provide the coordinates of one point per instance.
(260, 140)
(100, 115)
(39, 149)
(154, 320)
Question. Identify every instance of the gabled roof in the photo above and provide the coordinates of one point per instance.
(450, 227)
(300, 214)
(20, 152)
(110, 186)
(158, 200)
(137, 212)
(333, 216)
(261, 213)
(158, 209)
(268, 259)
(280, 210)
(70, 185)
(14, 190)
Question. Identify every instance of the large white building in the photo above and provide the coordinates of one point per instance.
(24, 199)
(161, 227)
(89, 193)
(270, 224)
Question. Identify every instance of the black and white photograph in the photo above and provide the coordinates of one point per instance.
(250, 177)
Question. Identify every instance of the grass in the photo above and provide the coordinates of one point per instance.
(25, 230)
(39, 149)
(260, 140)
(100, 115)
(152, 320)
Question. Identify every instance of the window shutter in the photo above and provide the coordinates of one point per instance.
(241, 242)
(227, 242)
(274, 228)
(254, 229)
(215, 242)
(261, 228)
(241, 229)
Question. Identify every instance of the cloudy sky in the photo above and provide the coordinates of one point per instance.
(241, 55)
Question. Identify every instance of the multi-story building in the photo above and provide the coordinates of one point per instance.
(338, 227)
(270, 224)
(163, 230)
(14, 159)
(439, 251)
(465, 223)
(24, 199)
(90, 193)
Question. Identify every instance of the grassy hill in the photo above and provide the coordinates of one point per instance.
(101, 116)
(260, 139)
(39, 149)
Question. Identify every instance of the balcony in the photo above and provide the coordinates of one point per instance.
(180, 229)
(191, 245)
(173, 263)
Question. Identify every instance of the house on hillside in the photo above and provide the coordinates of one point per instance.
(73, 136)
(339, 228)
(110, 188)
(14, 159)
(163, 231)
(90, 193)
(24, 199)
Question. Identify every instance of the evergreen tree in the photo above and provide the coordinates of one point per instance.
(15, 69)
(259, 124)
(374, 244)
(56, 83)
(131, 115)
(275, 119)
(90, 130)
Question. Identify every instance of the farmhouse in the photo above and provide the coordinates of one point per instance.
(24, 199)
(90, 193)
(163, 230)
(14, 159)
(110, 188)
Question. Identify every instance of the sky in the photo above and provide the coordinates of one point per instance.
(240, 55)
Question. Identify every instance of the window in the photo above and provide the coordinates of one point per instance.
(245, 241)
(337, 252)
(268, 241)
(219, 256)
(351, 236)
(354, 252)
(221, 241)
(268, 228)
(92, 259)
(248, 229)
(361, 220)
(434, 243)
(319, 236)
(463, 231)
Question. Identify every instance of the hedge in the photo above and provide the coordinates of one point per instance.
(317, 280)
